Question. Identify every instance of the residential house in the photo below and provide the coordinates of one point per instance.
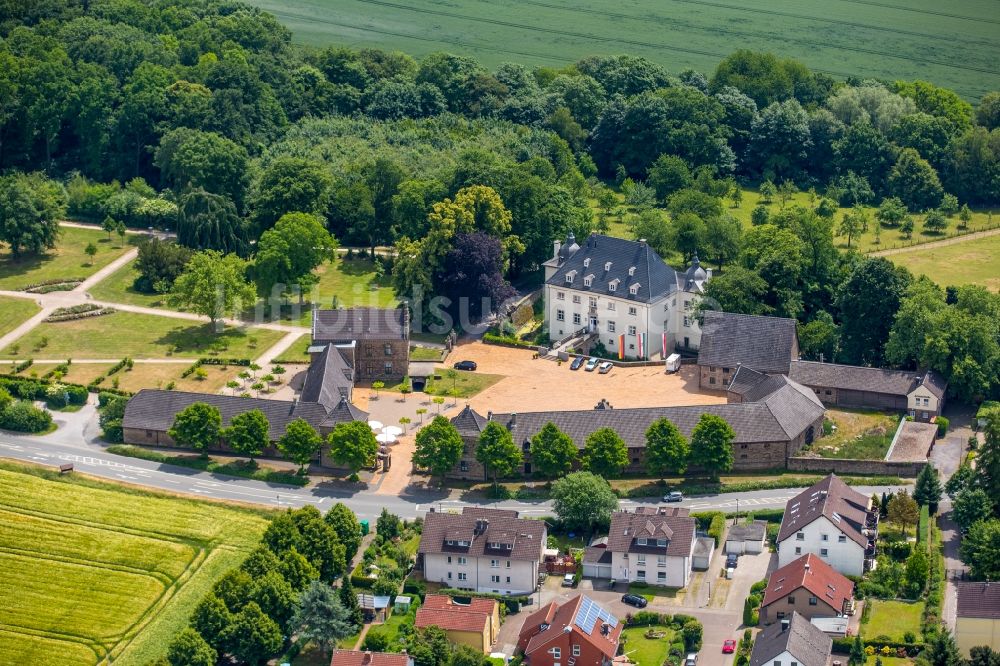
(729, 340)
(580, 632)
(919, 394)
(369, 658)
(807, 586)
(747, 538)
(623, 294)
(832, 521)
(769, 429)
(652, 545)
(483, 550)
(374, 341)
(978, 617)
(476, 624)
(793, 641)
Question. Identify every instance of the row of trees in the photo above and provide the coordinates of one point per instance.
(439, 448)
(199, 426)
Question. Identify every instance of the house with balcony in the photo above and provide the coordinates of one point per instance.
(807, 586)
(652, 545)
(580, 632)
(832, 521)
(623, 294)
(483, 550)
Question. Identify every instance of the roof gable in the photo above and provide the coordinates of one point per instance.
(482, 530)
(767, 344)
(978, 600)
(800, 638)
(812, 573)
(346, 325)
(845, 508)
(328, 380)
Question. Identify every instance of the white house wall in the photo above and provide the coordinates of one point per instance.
(478, 572)
(625, 566)
(847, 557)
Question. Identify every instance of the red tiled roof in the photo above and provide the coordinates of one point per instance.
(566, 618)
(358, 658)
(442, 611)
(820, 579)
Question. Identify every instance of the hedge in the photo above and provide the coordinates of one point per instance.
(22, 416)
(504, 340)
(34, 389)
(843, 645)
(243, 362)
(715, 521)
(925, 517)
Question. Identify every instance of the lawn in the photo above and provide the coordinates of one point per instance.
(975, 261)
(77, 373)
(951, 46)
(647, 651)
(140, 336)
(299, 351)
(466, 383)
(349, 283)
(117, 288)
(858, 434)
(160, 375)
(124, 567)
(67, 261)
(893, 619)
(14, 312)
(418, 353)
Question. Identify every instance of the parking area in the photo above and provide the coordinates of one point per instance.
(534, 384)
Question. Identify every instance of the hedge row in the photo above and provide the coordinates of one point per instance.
(713, 522)
(243, 362)
(507, 341)
(94, 385)
(35, 389)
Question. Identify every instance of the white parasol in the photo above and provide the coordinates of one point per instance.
(395, 431)
(375, 425)
(386, 439)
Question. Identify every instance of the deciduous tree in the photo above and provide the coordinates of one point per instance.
(552, 452)
(188, 648)
(353, 445)
(248, 433)
(497, 452)
(605, 453)
(300, 443)
(198, 426)
(213, 284)
(667, 449)
(903, 510)
(30, 209)
(971, 506)
(712, 445)
(252, 636)
(439, 447)
(583, 501)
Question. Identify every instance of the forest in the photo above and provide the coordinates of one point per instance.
(200, 116)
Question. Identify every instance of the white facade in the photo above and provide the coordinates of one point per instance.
(664, 570)
(825, 540)
(786, 658)
(921, 403)
(494, 573)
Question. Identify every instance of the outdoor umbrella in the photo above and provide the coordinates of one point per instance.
(395, 431)
(375, 425)
(386, 439)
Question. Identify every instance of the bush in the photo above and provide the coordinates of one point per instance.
(692, 633)
(22, 416)
(942, 424)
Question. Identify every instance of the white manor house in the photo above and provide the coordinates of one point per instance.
(623, 294)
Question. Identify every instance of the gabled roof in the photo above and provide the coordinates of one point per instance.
(766, 344)
(626, 527)
(744, 380)
(872, 380)
(807, 644)
(526, 536)
(442, 611)
(655, 278)
(845, 508)
(816, 576)
(360, 324)
(581, 616)
(328, 380)
(978, 600)
(367, 658)
(155, 409)
(343, 412)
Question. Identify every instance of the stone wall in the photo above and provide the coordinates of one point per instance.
(371, 357)
(714, 377)
(849, 466)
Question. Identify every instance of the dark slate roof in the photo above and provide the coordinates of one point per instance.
(794, 406)
(979, 600)
(766, 344)
(155, 409)
(806, 642)
(626, 527)
(468, 422)
(343, 412)
(595, 555)
(843, 506)
(360, 324)
(755, 531)
(527, 536)
(857, 378)
(328, 379)
(655, 278)
(745, 379)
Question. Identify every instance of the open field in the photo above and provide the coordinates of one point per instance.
(14, 312)
(141, 336)
(124, 568)
(954, 45)
(160, 375)
(893, 619)
(975, 261)
(67, 261)
(858, 434)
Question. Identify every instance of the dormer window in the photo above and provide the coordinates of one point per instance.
(661, 543)
(613, 285)
(631, 271)
(607, 265)
(641, 541)
(587, 281)
(634, 289)
(586, 262)
(570, 276)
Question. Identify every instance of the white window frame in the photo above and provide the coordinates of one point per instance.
(560, 315)
(611, 327)
(560, 295)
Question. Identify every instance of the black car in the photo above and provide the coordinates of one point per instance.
(634, 600)
(577, 363)
(732, 560)
(465, 365)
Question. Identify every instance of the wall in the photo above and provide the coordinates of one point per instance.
(970, 632)
(370, 358)
(851, 466)
(918, 408)
(721, 376)
(625, 565)
(162, 439)
(523, 573)
(769, 613)
(848, 557)
(474, 470)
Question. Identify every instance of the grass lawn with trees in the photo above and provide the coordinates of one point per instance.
(467, 384)
(647, 651)
(67, 261)
(858, 434)
(126, 567)
(353, 283)
(975, 261)
(77, 373)
(160, 375)
(892, 619)
(140, 336)
(117, 288)
(14, 312)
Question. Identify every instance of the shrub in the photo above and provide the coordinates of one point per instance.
(22, 416)
(942, 424)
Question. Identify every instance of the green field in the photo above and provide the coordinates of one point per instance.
(117, 288)
(975, 261)
(893, 619)
(140, 336)
(92, 572)
(67, 261)
(14, 312)
(955, 45)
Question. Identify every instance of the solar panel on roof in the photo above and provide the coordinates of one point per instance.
(589, 613)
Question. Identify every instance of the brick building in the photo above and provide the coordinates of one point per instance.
(374, 341)
(581, 632)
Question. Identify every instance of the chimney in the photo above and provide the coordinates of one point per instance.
(642, 241)
(367, 659)
(605, 628)
(489, 415)
(513, 420)
(807, 567)
(785, 624)
(556, 246)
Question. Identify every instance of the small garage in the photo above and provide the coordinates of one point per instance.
(701, 557)
(747, 538)
(597, 563)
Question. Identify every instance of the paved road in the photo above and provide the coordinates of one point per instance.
(92, 460)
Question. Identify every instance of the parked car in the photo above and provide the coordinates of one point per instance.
(692, 659)
(465, 365)
(577, 362)
(634, 600)
(605, 367)
(568, 580)
(728, 646)
(732, 559)
(674, 496)
(591, 364)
